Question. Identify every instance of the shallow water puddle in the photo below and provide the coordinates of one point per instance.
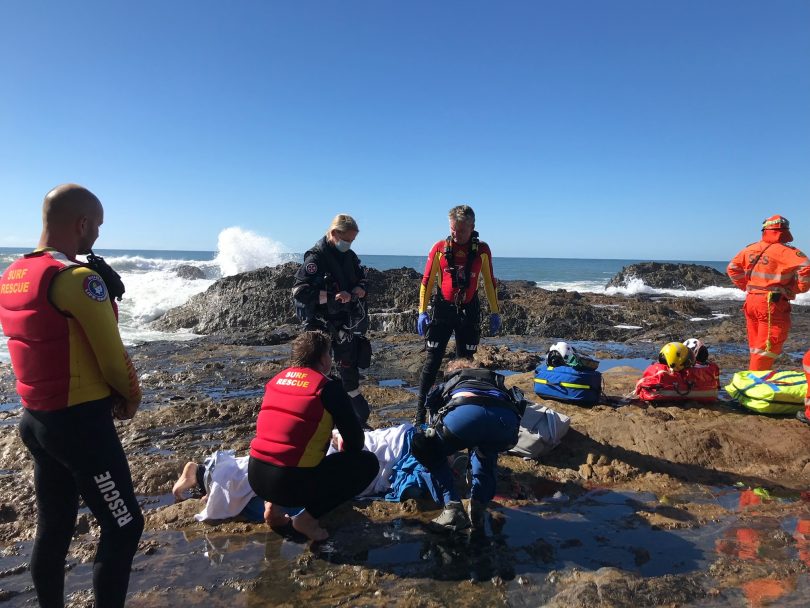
(219, 393)
(523, 558)
(393, 383)
(640, 363)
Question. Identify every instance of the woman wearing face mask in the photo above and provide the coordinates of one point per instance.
(329, 292)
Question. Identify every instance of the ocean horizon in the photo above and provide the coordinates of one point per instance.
(153, 286)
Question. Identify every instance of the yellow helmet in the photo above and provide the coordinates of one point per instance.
(676, 355)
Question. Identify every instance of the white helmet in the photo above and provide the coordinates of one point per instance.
(699, 350)
(562, 348)
(558, 354)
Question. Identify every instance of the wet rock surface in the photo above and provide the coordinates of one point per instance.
(256, 308)
(639, 505)
(663, 275)
(187, 271)
(259, 300)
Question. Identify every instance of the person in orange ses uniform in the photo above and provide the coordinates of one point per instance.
(771, 273)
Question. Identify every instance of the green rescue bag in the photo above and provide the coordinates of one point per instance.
(770, 391)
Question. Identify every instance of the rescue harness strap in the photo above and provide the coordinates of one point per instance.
(472, 253)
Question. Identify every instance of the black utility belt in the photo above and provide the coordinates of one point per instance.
(440, 302)
(773, 296)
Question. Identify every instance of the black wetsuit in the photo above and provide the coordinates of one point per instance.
(76, 453)
(327, 269)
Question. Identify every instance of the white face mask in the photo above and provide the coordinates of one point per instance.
(343, 246)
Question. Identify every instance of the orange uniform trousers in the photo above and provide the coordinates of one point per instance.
(768, 324)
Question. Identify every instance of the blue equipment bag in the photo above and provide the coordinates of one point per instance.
(565, 383)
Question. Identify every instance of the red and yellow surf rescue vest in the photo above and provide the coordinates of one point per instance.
(293, 428)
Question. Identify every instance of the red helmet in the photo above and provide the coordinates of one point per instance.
(776, 222)
(776, 229)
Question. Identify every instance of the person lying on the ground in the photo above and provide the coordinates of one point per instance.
(222, 477)
(389, 445)
(222, 481)
(288, 463)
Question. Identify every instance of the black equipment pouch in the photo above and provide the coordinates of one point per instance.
(115, 286)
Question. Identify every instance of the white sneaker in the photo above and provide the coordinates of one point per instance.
(452, 518)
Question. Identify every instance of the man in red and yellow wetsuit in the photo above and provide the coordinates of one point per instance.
(73, 375)
(771, 272)
(804, 416)
(454, 266)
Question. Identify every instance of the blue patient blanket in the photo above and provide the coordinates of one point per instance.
(409, 478)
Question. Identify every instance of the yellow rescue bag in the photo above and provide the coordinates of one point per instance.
(770, 391)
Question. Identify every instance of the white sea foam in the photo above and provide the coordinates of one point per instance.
(240, 250)
(150, 294)
(580, 286)
(153, 286)
(637, 286)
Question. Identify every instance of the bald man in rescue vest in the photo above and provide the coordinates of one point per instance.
(771, 272)
(73, 375)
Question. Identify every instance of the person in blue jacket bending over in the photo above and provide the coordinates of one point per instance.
(471, 410)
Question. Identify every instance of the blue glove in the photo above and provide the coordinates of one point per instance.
(494, 323)
(422, 323)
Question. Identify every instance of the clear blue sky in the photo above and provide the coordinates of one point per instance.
(592, 128)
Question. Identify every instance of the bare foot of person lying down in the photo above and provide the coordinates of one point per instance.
(186, 481)
(275, 517)
(309, 527)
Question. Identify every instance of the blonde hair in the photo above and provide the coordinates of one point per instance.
(342, 223)
(457, 364)
(308, 348)
(462, 213)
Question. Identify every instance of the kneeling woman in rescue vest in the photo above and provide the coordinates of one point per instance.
(471, 410)
(288, 463)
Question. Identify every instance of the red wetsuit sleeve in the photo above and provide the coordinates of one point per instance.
(431, 275)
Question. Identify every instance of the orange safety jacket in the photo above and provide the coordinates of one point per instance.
(293, 428)
(63, 334)
(767, 267)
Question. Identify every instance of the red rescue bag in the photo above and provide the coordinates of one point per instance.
(699, 383)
